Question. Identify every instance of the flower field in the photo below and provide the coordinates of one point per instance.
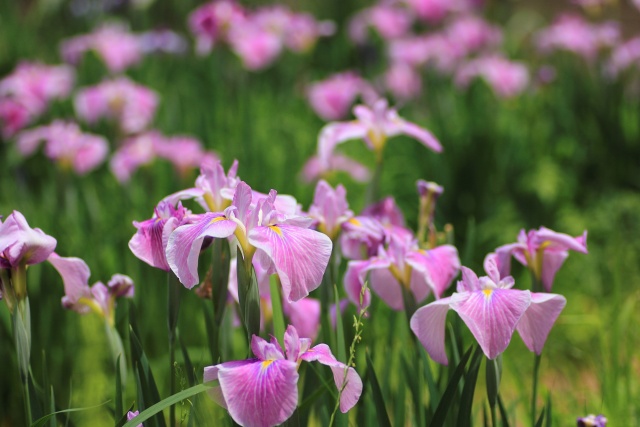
(402, 213)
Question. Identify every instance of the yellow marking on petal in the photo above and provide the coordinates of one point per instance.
(217, 219)
(276, 229)
(266, 363)
(355, 222)
(487, 292)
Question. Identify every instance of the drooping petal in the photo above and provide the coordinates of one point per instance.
(503, 257)
(185, 243)
(299, 255)
(428, 324)
(420, 134)
(353, 389)
(20, 243)
(386, 286)
(75, 277)
(537, 321)
(491, 315)
(561, 240)
(551, 263)
(336, 133)
(439, 266)
(146, 244)
(469, 282)
(259, 393)
(211, 374)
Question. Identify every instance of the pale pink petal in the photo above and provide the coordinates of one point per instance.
(491, 315)
(260, 393)
(428, 324)
(20, 243)
(353, 282)
(420, 134)
(183, 247)
(386, 286)
(211, 374)
(353, 389)
(75, 277)
(537, 321)
(561, 240)
(469, 281)
(551, 263)
(300, 256)
(304, 315)
(265, 350)
(336, 133)
(439, 266)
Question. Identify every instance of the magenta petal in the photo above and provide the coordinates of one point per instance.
(259, 393)
(299, 255)
(185, 243)
(352, 391)
(354, 281)
(211, 374)
(491, 315)
(469, 282)
(386, 286)
(503, 257)
(537, 321)
(304, 315)
(75, 276)
(265, 350)
(428, 323)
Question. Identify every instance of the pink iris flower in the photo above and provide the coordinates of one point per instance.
(492, 310)
(67, 145)
(332, 98)
(330, 208)
(473, 34)
(303, 31)
(150, 241)
(210, 23)
(388, 20)
(399, 265)
(184, 152)
(263, 391)
(134, 152)
(506, 78)
(542, 251)
(99, 298)
(132, 105)
(375, 125)
(403, 81)
(624, 56)
(13, 117)
(282, 243)
(115, 45)
(573, 33)
(22, 245)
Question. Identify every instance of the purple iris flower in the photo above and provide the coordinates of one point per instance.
(375, 125)
(263, 391)
(542, 251)
(81, 298)
(403, 265)
(282, 243)
(21, 244)
(492, 310)
(330, 208)
(592, 421)
(150, 241)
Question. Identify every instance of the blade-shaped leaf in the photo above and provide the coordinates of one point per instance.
(448, 396)
(470, 379)
(541, 418)
(169, 401)
(494, 373)
(503, 412)
(118, 404)
(43, 420)
(148, 391)
(276, 304)
(249, 298)
(378, 398)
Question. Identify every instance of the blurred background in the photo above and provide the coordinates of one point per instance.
(537, 107)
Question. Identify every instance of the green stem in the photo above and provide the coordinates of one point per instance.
(534, 393)
(276, 304)
(373, 191)
(173, 309)
(22, 335)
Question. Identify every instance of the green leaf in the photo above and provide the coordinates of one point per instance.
(52, 408)
(549, 413)
(378, 398)
(118, 408)
(249, 297)
(123, 418)
(147, 389)
(541, 418)
(42, 421)
(448, 396)
(494, 373)
(503, 412)
(220, 265)
(470, 379)
(169, 401)
(342, 351)
(174, 296)
(188, 366)
(276, 303)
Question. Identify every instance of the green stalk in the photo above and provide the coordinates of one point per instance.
(373, 190)
(276, 304)
(22, 335)
(534, 393)
(173, 309)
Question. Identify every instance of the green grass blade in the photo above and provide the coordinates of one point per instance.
(118, 404)
(466, 400)
(342, 351)
(378, 398)
(43, 420)
(448, 396)
(276, 303)
(169, 401)
(503, 412)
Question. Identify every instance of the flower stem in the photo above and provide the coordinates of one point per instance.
(173, 309)
(534, 393)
